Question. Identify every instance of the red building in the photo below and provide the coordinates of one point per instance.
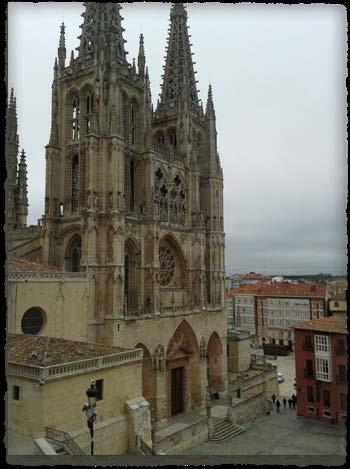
(321, 369)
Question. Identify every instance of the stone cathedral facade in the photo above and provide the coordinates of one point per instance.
(134, 199)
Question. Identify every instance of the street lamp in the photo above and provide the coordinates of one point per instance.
(89, 409)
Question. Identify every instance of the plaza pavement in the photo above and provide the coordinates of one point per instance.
(280, 434)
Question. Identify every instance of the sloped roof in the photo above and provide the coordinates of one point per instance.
(20, 264)
(281, 289)
(336, 324)
(43, 351)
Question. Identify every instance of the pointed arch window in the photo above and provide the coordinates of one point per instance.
(75, 182)
(133, 124)
(73, 255)
(75, 118)
(88, 112)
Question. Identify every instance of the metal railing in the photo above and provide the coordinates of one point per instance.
(308, 373)
(64, 439)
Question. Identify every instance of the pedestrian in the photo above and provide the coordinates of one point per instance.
(273, 398)
(278, 405)
(290, 402)
(284, 402)
(293, 401)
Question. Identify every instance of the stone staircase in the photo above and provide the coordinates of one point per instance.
(225, 431)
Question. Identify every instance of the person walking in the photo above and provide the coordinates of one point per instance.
(290, 402)
(273, 398)
(284, 402)
(278, 405)
(294, 399)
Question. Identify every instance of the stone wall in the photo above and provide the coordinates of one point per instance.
(64, 303)
(182, 440)
(246, 409)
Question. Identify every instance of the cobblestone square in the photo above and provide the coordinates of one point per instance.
(281, 433)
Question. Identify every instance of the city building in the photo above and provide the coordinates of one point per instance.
(337, 302)
(321, 369)
(133, 219)
(269, 310)
(252, 380)
(47, 381)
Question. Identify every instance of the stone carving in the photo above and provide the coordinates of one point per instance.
(202, 349)
(159, 358)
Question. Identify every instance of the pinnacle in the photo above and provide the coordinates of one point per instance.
(62, 36)
(179, 81)
(102, 24)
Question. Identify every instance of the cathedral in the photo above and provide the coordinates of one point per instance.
(134, 203)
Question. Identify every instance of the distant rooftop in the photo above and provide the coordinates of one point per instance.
(337, 324)
(281, 289)
(19, 264)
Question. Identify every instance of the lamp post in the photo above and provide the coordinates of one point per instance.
(89, 409)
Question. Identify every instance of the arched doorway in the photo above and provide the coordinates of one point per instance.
(214, 363)
(148, 377)
(73, 254)
(183, 373)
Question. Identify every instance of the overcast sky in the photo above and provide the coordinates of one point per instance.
(278, 76)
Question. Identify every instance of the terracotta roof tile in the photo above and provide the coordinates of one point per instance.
(337, 324)
(281, 289)
(19, 264)
(53, 351)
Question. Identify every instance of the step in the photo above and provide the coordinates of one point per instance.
(225, 430)
(227, 437)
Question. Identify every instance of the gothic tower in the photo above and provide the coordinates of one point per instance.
(134, 198)
(16, 182)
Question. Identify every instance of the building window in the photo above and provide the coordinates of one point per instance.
(75, 119)
(343, 401)
(32, 321)
(326, 413)
(167, 265)
(75, 182)
(308, 342)
(336, 304)
(322, 344)
(309, 369)
(310, 394)
(99, 387)
(323, 369)
(326, 398)
(15, 393)
(341, 374)
(340, 350)
(311, 409)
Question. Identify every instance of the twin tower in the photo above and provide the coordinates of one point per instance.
(133, 195)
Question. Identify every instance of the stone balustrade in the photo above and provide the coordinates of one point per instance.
(45, 276)
(25, 232)
(52, 372)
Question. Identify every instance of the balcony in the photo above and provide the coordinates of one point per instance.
(308, 373)
(308, 347)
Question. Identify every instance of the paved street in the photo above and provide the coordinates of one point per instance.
(286, 366)
(280, 434)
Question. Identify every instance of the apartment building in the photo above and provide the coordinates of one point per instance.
(270, 310)
(321, 369)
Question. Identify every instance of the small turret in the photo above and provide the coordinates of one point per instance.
(141, 60)
(22, 192)
(62, 49)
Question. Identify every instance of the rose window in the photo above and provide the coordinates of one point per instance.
(167, 266)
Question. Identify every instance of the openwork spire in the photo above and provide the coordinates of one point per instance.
(22, 192)
(179, 82)
(102, 30)
(210, 111)
(141, 60)
(62, 48)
